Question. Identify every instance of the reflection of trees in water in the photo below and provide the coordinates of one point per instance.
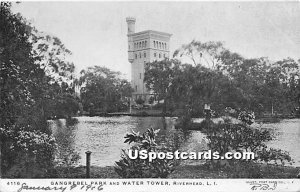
(71, 122)
(65, 135)
(170, 138)
(107, 137)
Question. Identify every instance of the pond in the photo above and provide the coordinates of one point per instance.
(104, 137)
(287, 137)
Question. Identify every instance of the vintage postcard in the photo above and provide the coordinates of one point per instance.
(149, 96)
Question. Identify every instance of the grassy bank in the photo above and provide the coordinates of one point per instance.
(192, 171)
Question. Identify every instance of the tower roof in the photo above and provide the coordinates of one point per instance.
(151, 32)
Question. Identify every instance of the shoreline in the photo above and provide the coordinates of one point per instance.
(146, 114)
(258, 171)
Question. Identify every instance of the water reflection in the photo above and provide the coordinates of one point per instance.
(104, 136)
(65, 133)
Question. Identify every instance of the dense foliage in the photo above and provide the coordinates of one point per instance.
(226, 136)
(158, 77)
(212, 74)
(207, 73)
(35, 84)
(103, 90)
(30, 153)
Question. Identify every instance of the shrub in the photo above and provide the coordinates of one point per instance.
(229, 137)
(247, 117)
(31, 152)
(143, 168)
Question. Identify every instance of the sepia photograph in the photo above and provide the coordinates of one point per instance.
(188, 93)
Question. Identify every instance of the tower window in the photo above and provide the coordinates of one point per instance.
(144, 54)
(136, 88)
(140, 76)
(145, 43)
(164, 55)
(157, 44)
(154, 44)
(154, 54)
(140, 55)
(135, 56)
(159, 55)
(160, 45)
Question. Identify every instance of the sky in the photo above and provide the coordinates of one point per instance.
(96, 32)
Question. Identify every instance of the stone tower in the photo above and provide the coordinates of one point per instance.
(144, 47)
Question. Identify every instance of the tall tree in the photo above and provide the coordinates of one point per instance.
(21, 80)
(27, 90)
(19, 75)
(54, 57)
(103, 89)
(159, 77)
